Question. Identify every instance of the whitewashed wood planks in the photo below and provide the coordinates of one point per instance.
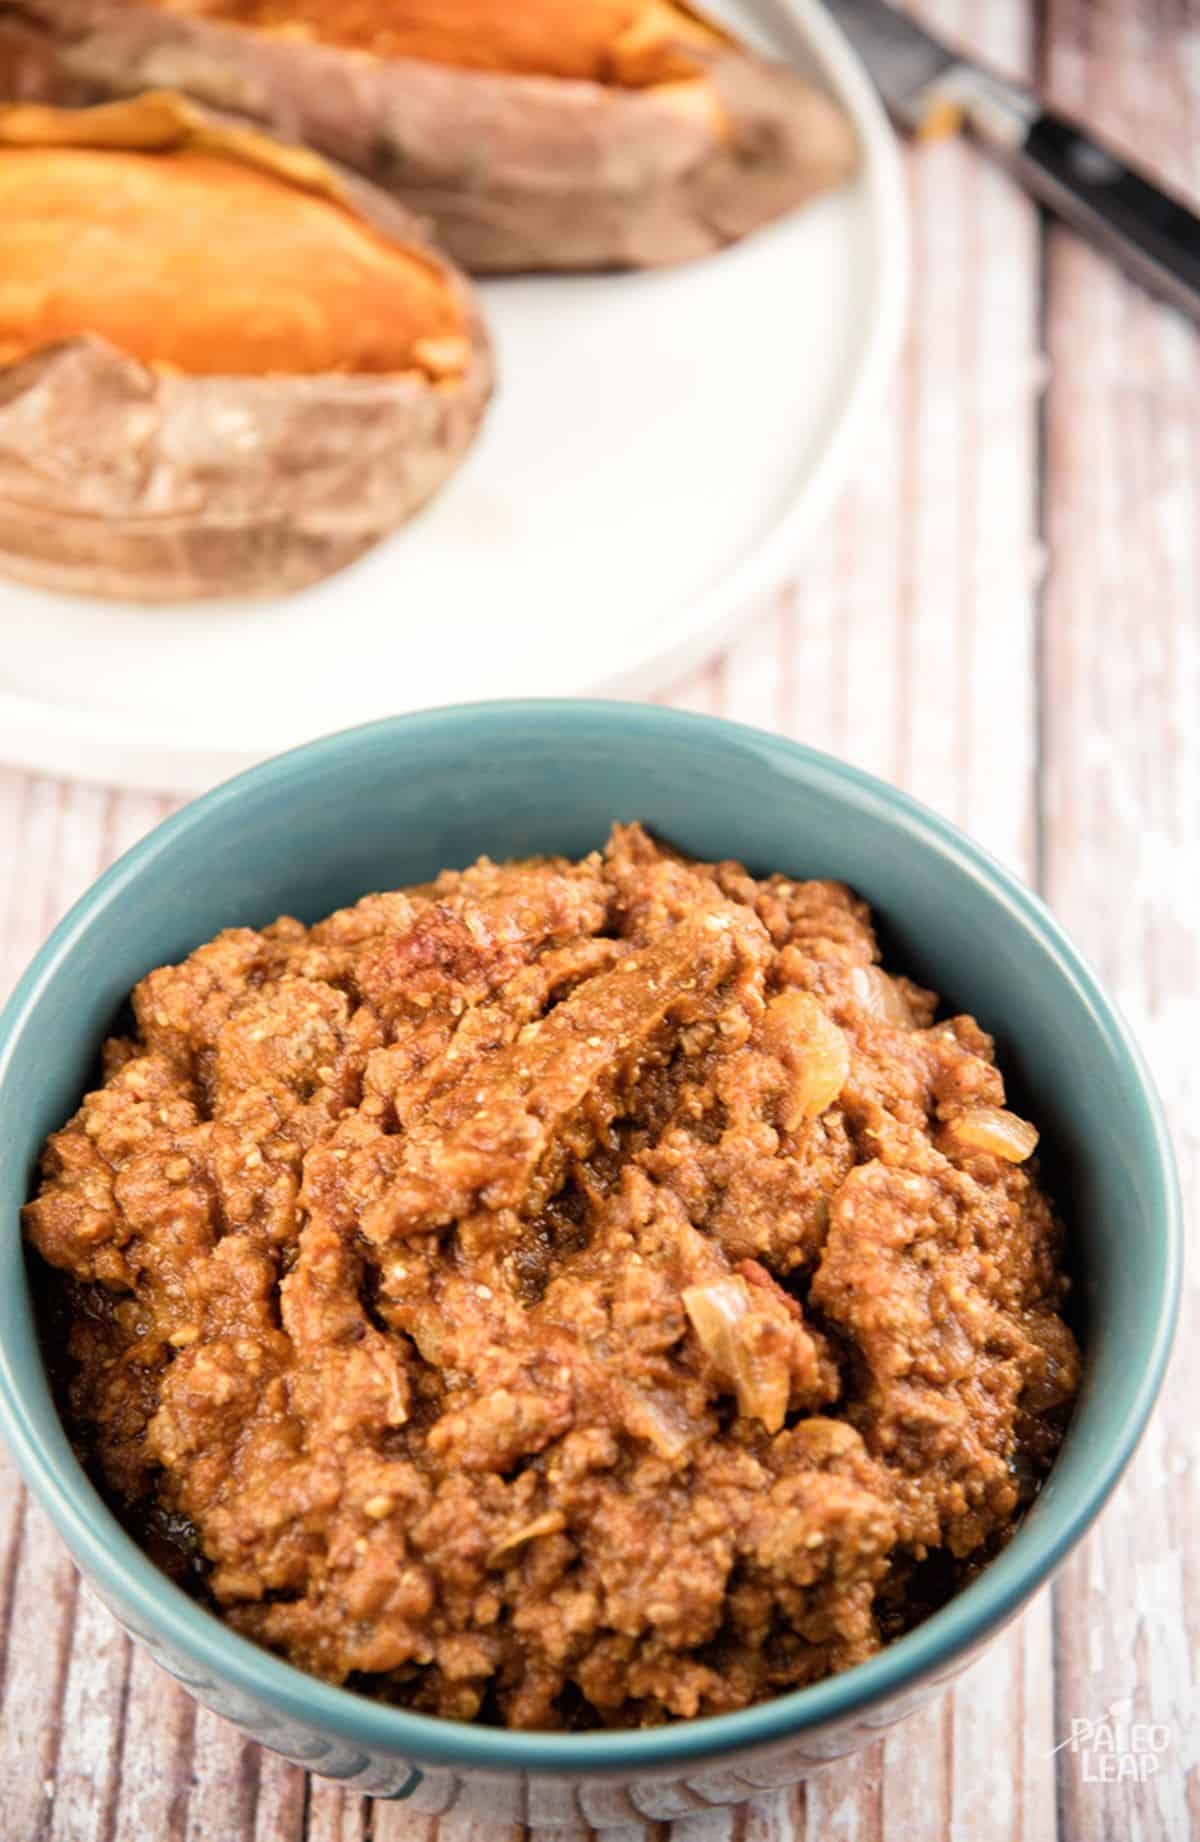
(1121, 789)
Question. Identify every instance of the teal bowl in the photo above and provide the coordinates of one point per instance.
(391, 804)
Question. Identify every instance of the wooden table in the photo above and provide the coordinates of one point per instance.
(1003, 616)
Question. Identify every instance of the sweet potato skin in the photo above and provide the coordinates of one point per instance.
(31, 70)
(514, 172)
(120, 479)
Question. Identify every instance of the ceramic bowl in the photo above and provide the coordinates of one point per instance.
(391, 804)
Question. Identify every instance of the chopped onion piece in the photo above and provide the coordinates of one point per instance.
(744, 1346)
(992, 1129)
(715, 1310)
(659, 1420)
(548, 1524)
(806, 1040)
(881, 997)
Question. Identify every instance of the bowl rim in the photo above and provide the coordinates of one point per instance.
(99, 1544)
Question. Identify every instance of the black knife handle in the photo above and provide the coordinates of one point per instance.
(1151, 234)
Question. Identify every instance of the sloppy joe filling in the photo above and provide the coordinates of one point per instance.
(628, 43)
(564, 1294)
(207, 265)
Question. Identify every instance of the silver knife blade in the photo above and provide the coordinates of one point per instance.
(927, 86)
(912, 70)
(930, 89)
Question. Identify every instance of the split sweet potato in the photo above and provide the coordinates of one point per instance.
(31, 69)
(557, 134)
(224, 369)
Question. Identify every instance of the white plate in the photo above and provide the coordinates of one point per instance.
(659, 448)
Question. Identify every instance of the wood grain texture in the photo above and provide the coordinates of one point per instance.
(1002, 615)
(1121, 794)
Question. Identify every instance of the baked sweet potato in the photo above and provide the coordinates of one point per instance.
(550, 134)
(224, 369)
(32, 71)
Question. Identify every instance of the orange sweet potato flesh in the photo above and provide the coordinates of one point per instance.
(629, 43)
(528, 134)
(226, 366)
(200, 263)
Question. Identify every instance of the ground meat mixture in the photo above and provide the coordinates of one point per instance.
(566, 1294)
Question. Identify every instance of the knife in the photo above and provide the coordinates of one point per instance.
(930, 89)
